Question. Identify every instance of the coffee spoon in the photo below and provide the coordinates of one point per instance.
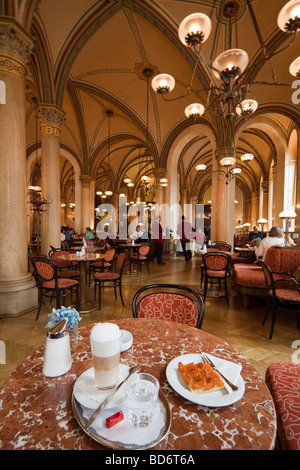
(90, 421)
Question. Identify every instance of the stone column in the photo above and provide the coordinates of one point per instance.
(85, 201)
(265, 210)
(51, 118)
(223, 197)
(254, 206)
(18, 292)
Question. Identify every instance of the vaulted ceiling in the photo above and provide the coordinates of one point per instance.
(90, 56)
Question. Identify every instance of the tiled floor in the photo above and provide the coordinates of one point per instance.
(240, 327)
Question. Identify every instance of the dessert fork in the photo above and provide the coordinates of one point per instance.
(209, 361)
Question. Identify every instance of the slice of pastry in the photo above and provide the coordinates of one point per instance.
(200, 378)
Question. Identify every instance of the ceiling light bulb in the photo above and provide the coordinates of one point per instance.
(246, 108)
(247, 157)
(230, 63)
(201, 167)
(227, 161)
(236, 170)
(289, 17)
(163, 83)
(108, 193)
(130, 185)
(194, 110)
(194, 29)
(295, 67)
(127, 180)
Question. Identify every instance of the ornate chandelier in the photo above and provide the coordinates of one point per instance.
(230, 67)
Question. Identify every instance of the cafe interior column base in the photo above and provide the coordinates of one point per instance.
(18, 295)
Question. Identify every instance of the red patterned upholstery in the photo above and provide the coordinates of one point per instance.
(61, 283)
(283, 259)
(114, 278)
(68, 273)
(46, 274)
(216, 265)
(141, 257)
(45, 270)
(283, 380)
(170, 307)
(169, 302)
(106, 276)
(60, 263)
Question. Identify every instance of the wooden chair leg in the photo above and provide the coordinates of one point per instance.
(121, 296)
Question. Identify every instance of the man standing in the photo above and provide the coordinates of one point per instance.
(184, 230)
(157, 238)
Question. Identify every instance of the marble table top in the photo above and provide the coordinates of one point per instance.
(36, 411)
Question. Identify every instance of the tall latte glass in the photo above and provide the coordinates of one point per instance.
(106, 345)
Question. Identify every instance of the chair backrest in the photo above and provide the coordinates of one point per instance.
(224, 246)
(43, 268)
(122, 256)
(109, 255)
(57, 261)
(144, 250)
(169, 302)
(286, 283)
(267, 273)
(217, 261)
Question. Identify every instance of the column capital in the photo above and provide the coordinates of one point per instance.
(16, 46)
(86, 180)
(225, 152)
(51, 119)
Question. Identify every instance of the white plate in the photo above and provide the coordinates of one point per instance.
(87, 394)
(213, 399)
(126, 339)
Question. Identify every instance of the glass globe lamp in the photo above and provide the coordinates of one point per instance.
(289, 17)
(163, 83)
(194, 110)
(295, 67)
(246, 108)
(194, 29)
(247, 157)
(230, 63)
(201, 167)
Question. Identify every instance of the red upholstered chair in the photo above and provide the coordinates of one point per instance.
(223, 246)
(113, 278)
(105, 264)
(169, 302)
(50, 284)
(64, 267)
(140, 258)
(216, 266)
(280, 292)
(283, 381)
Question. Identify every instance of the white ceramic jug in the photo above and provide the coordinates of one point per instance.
(57, 359)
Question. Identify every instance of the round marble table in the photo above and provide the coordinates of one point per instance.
(85, 306)
(36, 411)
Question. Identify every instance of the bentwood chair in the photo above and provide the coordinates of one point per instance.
(140, 258)
(105, 264)
(283, 292)
(169, 302)
(64, 267)
(216, 266)
(50, 284)
(112, 279)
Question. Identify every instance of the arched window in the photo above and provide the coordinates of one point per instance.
(290, 176)
(2, 92)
